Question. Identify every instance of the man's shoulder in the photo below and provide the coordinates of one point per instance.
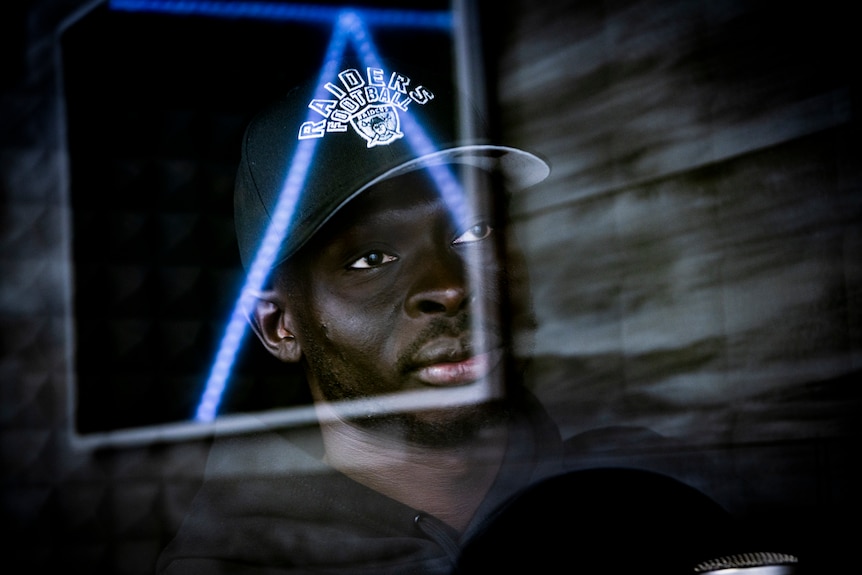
(268, 506)
(607, 520)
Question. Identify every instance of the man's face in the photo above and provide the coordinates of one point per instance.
(395, 294)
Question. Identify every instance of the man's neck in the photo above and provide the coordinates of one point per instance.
(447, 482)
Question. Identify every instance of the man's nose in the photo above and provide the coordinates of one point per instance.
(440, 286)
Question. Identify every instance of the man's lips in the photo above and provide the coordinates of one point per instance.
(447, 371)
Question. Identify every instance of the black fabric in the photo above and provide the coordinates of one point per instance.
(268, 506)
(603, 521)
(316, 523)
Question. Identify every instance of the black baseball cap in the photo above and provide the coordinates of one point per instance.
(368, 125)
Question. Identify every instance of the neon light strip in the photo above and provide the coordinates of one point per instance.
(349, 24)
(284, 12)
(265, 257)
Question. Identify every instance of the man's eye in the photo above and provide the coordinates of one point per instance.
(371, 260)
(474, 233)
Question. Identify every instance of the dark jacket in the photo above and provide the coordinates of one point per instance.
(268, 506)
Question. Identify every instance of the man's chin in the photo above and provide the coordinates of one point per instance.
(424, 415)
(438, 427)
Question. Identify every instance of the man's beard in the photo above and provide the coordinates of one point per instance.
(443, 427)
(448, 425)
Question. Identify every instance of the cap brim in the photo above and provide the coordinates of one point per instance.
(520, 169)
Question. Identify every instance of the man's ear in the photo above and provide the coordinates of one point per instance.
(273, 324)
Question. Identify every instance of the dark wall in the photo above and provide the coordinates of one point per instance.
(696, 255)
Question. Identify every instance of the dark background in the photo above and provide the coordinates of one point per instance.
(695, 255)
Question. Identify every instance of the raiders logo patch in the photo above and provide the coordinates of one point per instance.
(368, 102)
